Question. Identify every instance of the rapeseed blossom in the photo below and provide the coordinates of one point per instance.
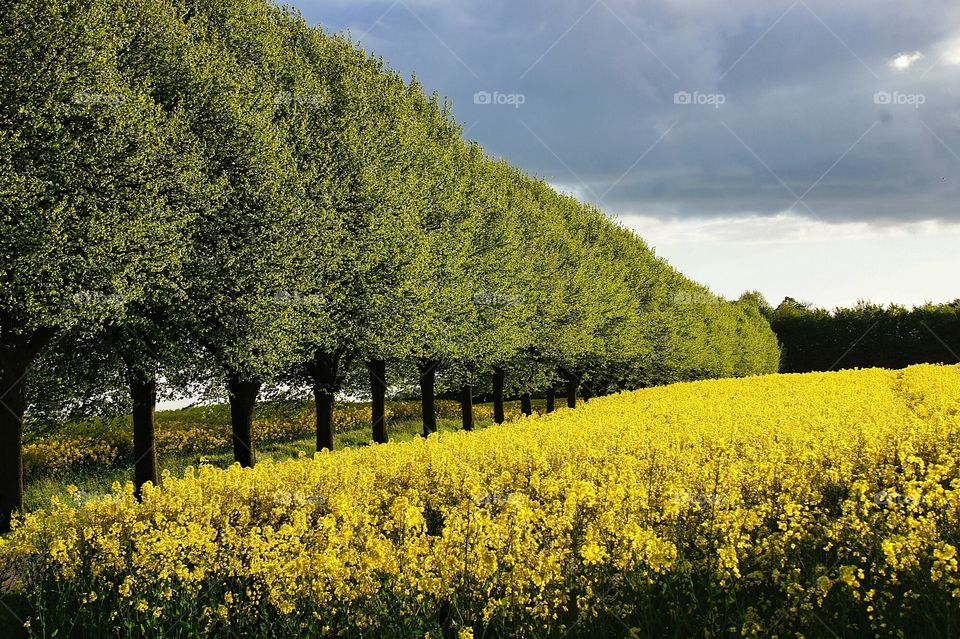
(110, 446)
(769, 506)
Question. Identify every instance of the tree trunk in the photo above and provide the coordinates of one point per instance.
(143, 392)
(243, 397)
(551, 399)
(428, 377)
(571, 383)
(466, 406)
(325, 371)
(13, 405)
(586, 393)
(323, 401)
(526, 404)
(378, 388)
(498, 378)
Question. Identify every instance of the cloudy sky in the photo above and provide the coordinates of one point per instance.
(808, 148)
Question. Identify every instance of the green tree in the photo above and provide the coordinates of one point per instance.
(367, 174)
(250, 249)
(91, 169)
(495, 278)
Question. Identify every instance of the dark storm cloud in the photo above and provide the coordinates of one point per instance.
(793, 104)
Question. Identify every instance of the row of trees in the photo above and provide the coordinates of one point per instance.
(865, 336)
(212, 192)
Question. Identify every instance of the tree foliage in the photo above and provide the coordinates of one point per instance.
(866, 335)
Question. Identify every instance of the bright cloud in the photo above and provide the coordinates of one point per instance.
(903, 61)
(827, 264)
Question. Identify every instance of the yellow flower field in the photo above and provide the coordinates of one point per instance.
(811, 505)
(111, 445)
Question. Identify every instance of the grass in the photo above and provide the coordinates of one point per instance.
(39, 490)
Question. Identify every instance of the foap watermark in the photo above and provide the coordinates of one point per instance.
(896, 98)
(495, 499)
(893, 499)
(97, 298)
(99, 99)
(486, 98)
(699, 499)
(686, 98)
(497, 299)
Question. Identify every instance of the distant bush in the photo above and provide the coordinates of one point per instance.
(865, 336)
